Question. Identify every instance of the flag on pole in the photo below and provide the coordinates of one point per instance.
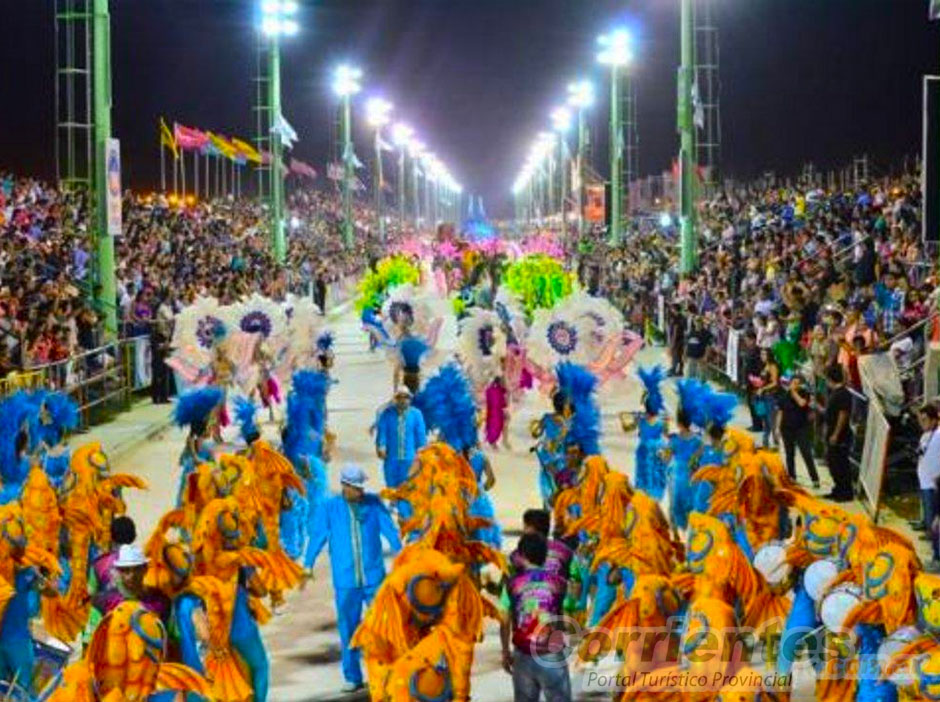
(698, 107)
(285, 131)
(266, 158)
(933, 10)
(189, 139)
(167, 139)
(224, 146)
(334, 171)
(300, 168)
(349, 156)
(248, 152)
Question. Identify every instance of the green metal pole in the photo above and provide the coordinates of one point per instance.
(616, 156)
(347, 172)
(563, 160)
(582, 147)
(379, 197)
(277, 153)
(688, 233)
(401, 190)
(106, 294)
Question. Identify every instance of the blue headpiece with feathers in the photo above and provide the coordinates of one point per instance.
(195, 405)
(19, 412)
(720, 406)
(577, 384)
(651, 379)
(412, 349)
(693, 400)
(306, 414)
(446, 401)
(245, 411)
(325, 341)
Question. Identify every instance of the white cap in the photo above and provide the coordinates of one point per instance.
(353, 476)
(130, 556)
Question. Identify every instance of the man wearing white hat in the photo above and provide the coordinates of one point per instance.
(353, 523)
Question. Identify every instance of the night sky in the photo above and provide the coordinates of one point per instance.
(818, 80)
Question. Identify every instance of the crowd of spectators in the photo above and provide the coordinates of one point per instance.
(171, 251)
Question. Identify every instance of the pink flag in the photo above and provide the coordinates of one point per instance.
(300, 168)
(189, 138)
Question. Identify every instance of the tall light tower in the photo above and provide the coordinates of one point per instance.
(561, 123)
(687, 232)
(581, 97)
(615, 52)
(277, 20)
(416, 150)
(378, 114)
(346, 83)
(402, 135)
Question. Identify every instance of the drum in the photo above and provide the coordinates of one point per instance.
(51, 657)
(771, 561)
(818, 577)
(837, 604)
(891, 646)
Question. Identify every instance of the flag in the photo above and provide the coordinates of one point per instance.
(300, 168)
(284, 130)
(189, 139)
(933, 11)
(384, 145)
(349, 156)
(358, 185)
(334, 171)
(167, 139)
(266, 158)
(249, 152)
(698, 108)
(224, 146)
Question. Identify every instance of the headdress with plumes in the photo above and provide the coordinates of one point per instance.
(693, 394)
(577, 384)
(306, 414)
(18, 413)
(196, 405)
(538, 281)
(651, 379)
(446, 401)
(389, 273)
(720, 406)
(481, 344)
(325, 341)
(261, 316)
(245, 411)
(55, 414)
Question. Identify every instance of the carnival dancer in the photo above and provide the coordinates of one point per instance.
(222, 376)
(684, 449)
(198, 410)
(550, 431)
(17, 414)
(411, 350)
(267, 387)
(497, 412)
(353, 523)
(652, 427)
(400, 433)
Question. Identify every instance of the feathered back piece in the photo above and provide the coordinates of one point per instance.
(446, 401)
(390, 271)
(195, 405)
(309, 389)
(18, 413)
(720, 406)
(245, 411)
(651, 379)
(578, 385)
(693, 400)
(538, 282)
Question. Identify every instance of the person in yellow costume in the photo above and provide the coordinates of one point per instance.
(126, 663)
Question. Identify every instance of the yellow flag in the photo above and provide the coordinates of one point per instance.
(167, 139)
(247, 150)
(223, 145)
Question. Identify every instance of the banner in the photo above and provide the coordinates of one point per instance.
(874, 455)
(189, 139)
(594, 206)
(731, 360)
(247, 150)
(284, 130)
(167, 139)
(112, 159)
(142, 365)
(223, 146)
(298, 167)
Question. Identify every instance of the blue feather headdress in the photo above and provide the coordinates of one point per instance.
(719, 407)
(577, 384)
(18, 413)
(446, 402)
(651, 379)
(325, 342)
(196, 405)
(245, 411)
(306, 414)
(693, 400)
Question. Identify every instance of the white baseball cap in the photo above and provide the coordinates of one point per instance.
(130, 556)
(353, 476)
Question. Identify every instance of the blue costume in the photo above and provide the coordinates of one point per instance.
(400, 435)
(650, 468)
(483, 506)
(685, 450)
(550, 451)
(192, 410)
(353, 531)
(246, 640)
(16, 642)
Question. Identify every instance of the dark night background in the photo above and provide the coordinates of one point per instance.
(818, 80)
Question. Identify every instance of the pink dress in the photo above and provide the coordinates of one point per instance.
(496, 402)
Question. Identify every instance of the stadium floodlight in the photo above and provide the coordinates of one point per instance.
(402, 135)
(346, 80)
(615, 48)
(378, 112)
(581, 94)
(561, 119)
(277, 18)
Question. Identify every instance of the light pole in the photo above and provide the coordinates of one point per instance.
(687, 231)
(345, 85)
(416, 149)
(106, 295)
(277, 21)
(561, 123)
(581, 96)
(378, 113)
(615, 52)
(402, 135)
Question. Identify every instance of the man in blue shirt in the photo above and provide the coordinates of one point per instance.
(353, 523)
(400, 433)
